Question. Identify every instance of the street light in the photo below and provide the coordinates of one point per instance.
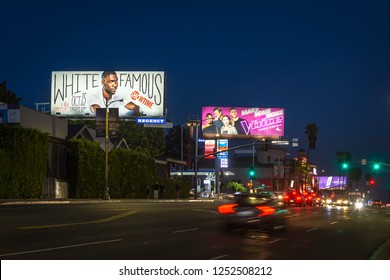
(106, 194)
(196, 123)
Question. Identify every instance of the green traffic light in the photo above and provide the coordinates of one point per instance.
(252, 173)
(344, 165)
(376, 166)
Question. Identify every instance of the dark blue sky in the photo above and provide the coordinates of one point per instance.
(326, 62)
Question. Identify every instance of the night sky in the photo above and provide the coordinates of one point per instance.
(326, 62)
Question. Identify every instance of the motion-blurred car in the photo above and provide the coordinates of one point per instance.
(279, 196)
(253, 210)
(294, 198)
(376, 203)
(309, 198)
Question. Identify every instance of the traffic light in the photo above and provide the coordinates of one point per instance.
(371, 182)
(252, 173)
(344, 165)
(376, 166)
(222, 173)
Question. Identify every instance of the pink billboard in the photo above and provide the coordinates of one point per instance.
(242, 122)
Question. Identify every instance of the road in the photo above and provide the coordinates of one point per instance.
(149, 230)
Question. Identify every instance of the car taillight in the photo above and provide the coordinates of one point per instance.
(299, 198)
(266, 210)
(227, 208)
(286, 197)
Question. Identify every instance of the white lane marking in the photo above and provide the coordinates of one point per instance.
(185, 230)
(274, 241)
(219, 257)
(332, 223)
(312, 229)
(60, 248)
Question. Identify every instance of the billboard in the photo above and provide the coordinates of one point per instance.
(135, 94)
(9, 113)
(242, 122)
(332, 182)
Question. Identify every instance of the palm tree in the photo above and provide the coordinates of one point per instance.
(311, 130)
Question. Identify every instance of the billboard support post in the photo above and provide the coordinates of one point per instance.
(106, 189)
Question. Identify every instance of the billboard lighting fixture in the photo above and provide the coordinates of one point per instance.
(279, 142)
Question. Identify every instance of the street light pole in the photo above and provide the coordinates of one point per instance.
(191, 124)
(106, 193)
(196, 160)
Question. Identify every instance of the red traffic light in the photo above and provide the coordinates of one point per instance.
(371, 182)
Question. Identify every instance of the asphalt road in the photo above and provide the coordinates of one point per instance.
(184, 230)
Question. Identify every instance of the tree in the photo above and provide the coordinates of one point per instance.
(236, 187)
(149, 141)
(8, 96)
(312, 131)
(174, 141)
(355, 175)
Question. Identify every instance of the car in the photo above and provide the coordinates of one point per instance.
(309, 198)
(253, 210)
(294, 198)
(376, 203)
(279, 196)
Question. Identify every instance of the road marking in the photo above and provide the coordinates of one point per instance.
(185, 230)
(60, 248)
(219, 257)
(312, 229)
(332, 223)
(274, 241)
(112, 218)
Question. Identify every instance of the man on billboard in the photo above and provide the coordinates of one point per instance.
(109, 87)
(218, 118)
(238, 122)
(209, 127)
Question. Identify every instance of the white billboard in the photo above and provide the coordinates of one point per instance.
(135, 94)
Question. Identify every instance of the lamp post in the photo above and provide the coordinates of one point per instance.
(106, 193)
(196, 124)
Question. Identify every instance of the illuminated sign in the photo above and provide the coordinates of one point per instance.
(135, 94)
(222, 147)
(151, 120)
(242, 122)
(209, 147)
(329, 182)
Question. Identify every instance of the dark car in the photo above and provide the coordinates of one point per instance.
(294, 198)
(253, 210)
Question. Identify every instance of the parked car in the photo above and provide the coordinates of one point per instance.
(294, 198)
(253, 210)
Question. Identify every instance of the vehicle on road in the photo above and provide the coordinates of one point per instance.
(376, 203)
(294, 198)
(253, 210)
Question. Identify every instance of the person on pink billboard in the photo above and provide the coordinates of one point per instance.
(218, 118)
(238, 122)
(227, 127)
